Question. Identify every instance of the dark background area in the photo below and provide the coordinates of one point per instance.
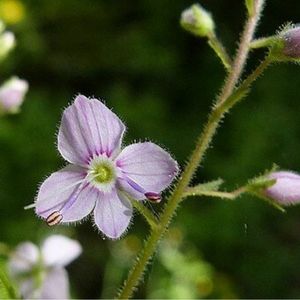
(161, 81)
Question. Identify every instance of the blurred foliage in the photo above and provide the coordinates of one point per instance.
(7, 290)
(161, 81)
(182, 273)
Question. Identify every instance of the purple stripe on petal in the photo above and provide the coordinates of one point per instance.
(57, 189)
(123, 185)
(81, 205)
(65, 192)
(88, 128)
(68, 204)
(134, 185)
(149, 167)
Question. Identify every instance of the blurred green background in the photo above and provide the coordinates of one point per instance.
(161, 81)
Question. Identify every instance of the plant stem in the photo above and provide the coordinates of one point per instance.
(242, 52)
(203, 143)
(263, 42)
(225, 195)
(219, 49)
(145, 212)
(244, 87)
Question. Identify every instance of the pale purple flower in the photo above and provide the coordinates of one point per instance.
(12, 94)
(101, 175)
(286, 189)
(40, 272)
(292, 42)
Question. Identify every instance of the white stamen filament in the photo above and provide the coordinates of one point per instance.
(32, 205)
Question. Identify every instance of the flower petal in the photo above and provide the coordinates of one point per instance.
(58, 250)
(28, 289)
(24, 258)
(146, 167)
(63, 192)
(88, 128)
(112, 214)
(55, 285)
(286, 189)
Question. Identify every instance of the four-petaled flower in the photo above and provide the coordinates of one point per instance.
(40, 272)
(101, 175)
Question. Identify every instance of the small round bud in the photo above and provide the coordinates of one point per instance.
(286, 189)
(292, 43)
(285, 46)
(197, 21)
(12, 94)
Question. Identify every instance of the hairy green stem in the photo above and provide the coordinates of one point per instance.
(202, 144)
(145, 212)
(193, 191)
(219, 49)
(263, 42)
(242, 52)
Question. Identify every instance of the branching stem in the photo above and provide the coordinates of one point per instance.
(203, 142)
(219, 49)
(193, 191)
(242, 52)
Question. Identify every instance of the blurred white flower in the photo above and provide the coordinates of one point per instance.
(40, 272)
(12, 94)
(7, 43)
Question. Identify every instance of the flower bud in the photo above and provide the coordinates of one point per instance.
(12, 94)
(197, 21)
(286, 189)
(292, 43)
(7, 43)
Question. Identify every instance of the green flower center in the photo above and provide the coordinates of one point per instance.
(103, 173)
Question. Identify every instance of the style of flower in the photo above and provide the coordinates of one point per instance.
(286, 189)
(101, 176)
(40, 272)
(12, 94)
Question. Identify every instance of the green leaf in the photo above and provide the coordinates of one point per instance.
(7, 290)
(210, 189)
(259, 184)
(262, 182)
(209, 186)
